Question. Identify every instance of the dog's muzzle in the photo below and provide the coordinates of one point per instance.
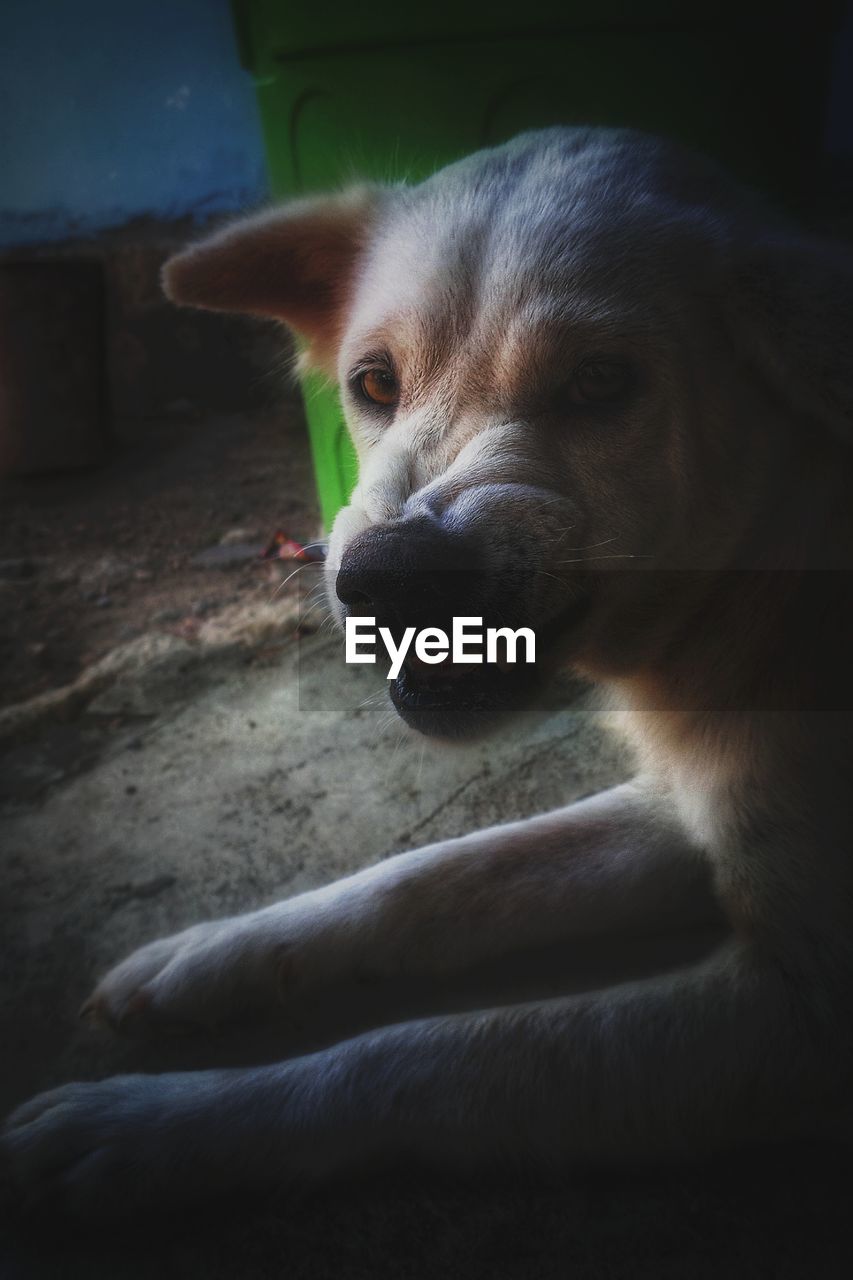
(417, 573)
(413, 573)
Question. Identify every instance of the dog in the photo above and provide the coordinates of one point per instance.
(598, 390)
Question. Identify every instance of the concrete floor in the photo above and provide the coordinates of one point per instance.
(266, 781)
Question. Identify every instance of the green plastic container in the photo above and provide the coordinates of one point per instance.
(397, 90)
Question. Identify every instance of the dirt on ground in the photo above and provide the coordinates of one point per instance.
(162, 538)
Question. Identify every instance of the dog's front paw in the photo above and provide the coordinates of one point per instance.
(102, 1149)
(209, 975)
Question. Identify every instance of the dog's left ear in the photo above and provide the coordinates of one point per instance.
(792, 316)
(297, 264)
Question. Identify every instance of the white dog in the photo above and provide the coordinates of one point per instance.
(598, 391)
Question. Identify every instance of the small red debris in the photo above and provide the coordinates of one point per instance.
(282, 547)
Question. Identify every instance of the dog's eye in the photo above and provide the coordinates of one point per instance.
(379, 386)
(598, 380)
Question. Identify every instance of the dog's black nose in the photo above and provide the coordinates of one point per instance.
(415, 573)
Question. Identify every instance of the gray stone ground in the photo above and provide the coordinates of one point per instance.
(261, 782)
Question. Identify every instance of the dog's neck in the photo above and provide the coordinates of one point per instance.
(752, 665)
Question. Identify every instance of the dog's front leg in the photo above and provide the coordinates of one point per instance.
(664, 1067)
(613, 864)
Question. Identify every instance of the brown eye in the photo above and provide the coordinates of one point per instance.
(378, 386)
(598, 380)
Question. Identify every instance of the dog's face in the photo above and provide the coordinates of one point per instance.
(519, 371)
(553, 411)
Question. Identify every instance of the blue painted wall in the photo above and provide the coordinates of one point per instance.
(111, 109)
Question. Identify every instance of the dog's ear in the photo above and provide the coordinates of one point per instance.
(792, 315)
(296, 264)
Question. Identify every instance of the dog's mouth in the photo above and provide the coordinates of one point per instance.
(454, 700)
(460, 700)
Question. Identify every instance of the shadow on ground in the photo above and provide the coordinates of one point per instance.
(755, 1217)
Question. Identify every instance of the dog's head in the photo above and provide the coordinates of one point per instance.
(562, 363)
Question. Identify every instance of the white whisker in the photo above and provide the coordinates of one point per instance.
(623, 555)
(283, 584)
